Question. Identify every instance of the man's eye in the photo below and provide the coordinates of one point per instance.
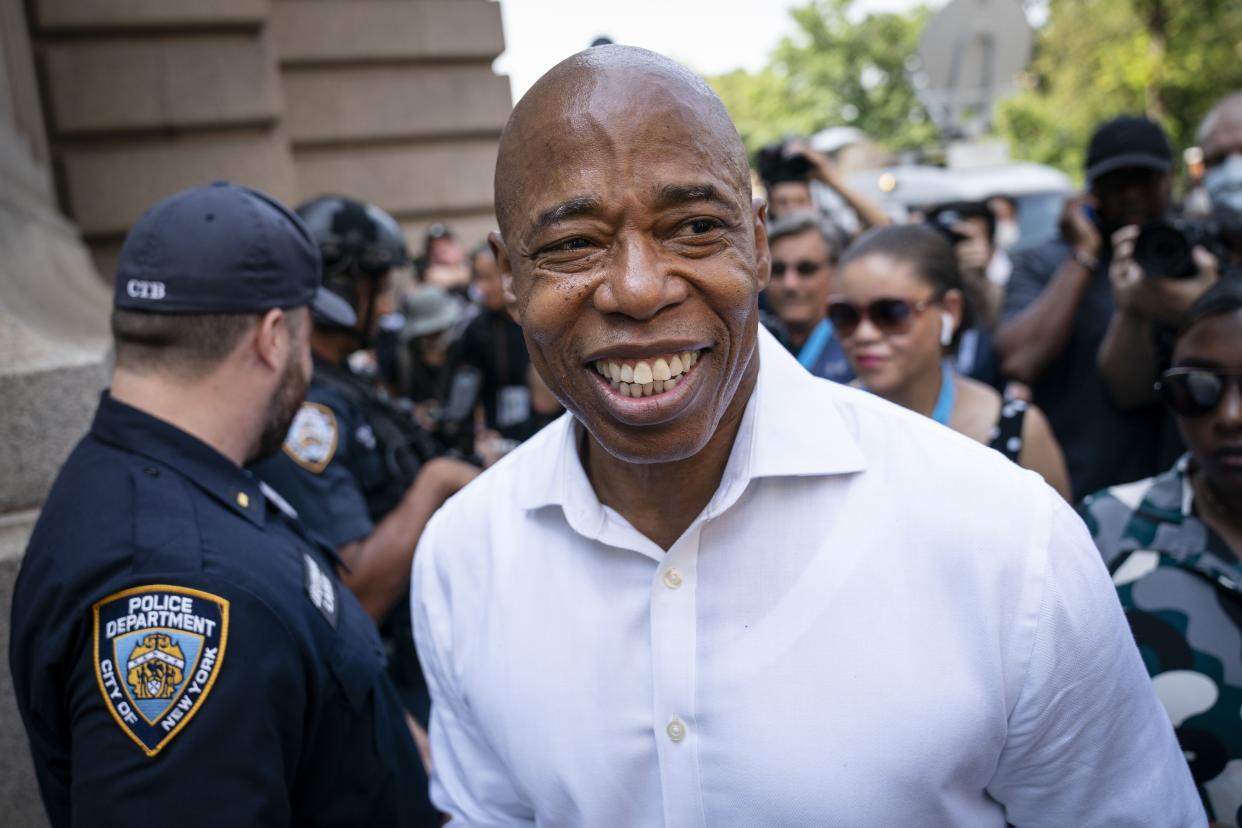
(699, 226)
(577, 243)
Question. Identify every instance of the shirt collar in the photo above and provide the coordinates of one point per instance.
(136, 431)
(1170, 498)
(791, 428)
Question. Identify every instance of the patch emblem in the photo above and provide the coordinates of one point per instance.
(311, 441)
(158, 650)
(320, 588)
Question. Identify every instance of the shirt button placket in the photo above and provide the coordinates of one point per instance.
(673, 649)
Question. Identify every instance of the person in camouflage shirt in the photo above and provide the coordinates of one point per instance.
(1173, 544)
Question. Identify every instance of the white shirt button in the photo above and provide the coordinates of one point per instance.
(672, 578)
(676, 730)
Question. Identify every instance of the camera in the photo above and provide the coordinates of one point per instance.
(942, 221)
(1163, 248)
(942, 218)
(775, 166)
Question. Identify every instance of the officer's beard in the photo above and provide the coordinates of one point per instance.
(281, 409)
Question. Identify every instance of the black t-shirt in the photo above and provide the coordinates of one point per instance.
(493, 344)
(1103, 445)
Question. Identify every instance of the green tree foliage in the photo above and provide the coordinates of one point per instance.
(840, 68)
(1170, 59)
(1093, 59)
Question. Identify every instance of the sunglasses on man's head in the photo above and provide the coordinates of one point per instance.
(891, 316)
(1194, 392)
(802, 268)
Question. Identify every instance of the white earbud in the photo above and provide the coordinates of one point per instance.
(946, 328)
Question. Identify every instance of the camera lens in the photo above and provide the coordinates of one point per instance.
(1162, 250)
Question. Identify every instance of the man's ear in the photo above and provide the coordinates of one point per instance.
(505, 266)
(763, 254)
(272, 339)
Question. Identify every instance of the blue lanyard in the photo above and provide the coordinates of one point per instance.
(944, 403)
(814, 346)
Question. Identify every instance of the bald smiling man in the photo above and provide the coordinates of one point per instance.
(720, 591)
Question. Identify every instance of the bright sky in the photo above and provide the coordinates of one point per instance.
(709, 37)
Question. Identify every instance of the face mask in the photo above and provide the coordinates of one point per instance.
(1224, 185)
(1006, 234)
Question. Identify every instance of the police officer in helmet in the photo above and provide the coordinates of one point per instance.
(364, 475)
(181, 646)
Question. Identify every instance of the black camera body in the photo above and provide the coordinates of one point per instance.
(775, 166)
(942, 222)
(1163, 248)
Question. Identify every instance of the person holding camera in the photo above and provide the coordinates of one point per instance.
(1185, 255)
(1173, 543)
(787, 170)
(970, 227)
(1060, 301)
(364, 476)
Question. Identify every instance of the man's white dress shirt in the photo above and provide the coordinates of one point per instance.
(874, 622)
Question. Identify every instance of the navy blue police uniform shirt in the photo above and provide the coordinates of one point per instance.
(179, 647)
(331, 467)
(343, 470)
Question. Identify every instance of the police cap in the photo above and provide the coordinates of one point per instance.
(222, 248)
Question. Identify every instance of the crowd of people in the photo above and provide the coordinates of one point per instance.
(300, 389)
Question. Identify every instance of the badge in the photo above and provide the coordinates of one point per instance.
(311, 441)
(158, 650)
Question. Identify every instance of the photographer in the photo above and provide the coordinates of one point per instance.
(787, 170)
(1130, 356)
(970, 227)
(1060, 301)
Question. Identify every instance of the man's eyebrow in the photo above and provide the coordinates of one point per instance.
(671, 195)
(571, 208)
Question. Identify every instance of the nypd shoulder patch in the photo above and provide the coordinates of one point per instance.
(311, 441)
(158, 651)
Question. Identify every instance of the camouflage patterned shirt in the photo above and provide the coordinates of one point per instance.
(1181, 588)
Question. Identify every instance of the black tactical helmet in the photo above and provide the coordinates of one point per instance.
(355, 240)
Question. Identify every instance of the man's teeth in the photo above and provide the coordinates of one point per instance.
(645, 377)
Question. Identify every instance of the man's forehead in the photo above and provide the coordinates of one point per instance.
(611, 120)
(588, 166)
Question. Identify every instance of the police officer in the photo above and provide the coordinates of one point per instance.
(181, 651)
(363, 474)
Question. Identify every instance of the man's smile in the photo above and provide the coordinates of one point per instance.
(634, 377)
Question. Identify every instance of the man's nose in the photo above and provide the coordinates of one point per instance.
(787, 280)
(639, 283)
(1228, 418)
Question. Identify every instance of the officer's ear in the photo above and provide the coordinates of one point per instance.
(273, 339)
(505, 266)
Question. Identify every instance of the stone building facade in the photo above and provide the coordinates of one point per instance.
(109, 105)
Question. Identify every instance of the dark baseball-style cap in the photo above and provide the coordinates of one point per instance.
(223, 249)
(1128, 142)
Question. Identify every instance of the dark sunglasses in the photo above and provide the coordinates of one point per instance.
(1194, 392)
(802, 268)
(891, 316)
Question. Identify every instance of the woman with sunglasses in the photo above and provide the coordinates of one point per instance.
(1173, 544)
(899, 312)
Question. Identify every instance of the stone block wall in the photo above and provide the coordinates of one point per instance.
(395, 103)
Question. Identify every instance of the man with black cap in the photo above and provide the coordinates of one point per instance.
(1059, 303)
(363, 474)
(180, 646)
(1140, 338)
